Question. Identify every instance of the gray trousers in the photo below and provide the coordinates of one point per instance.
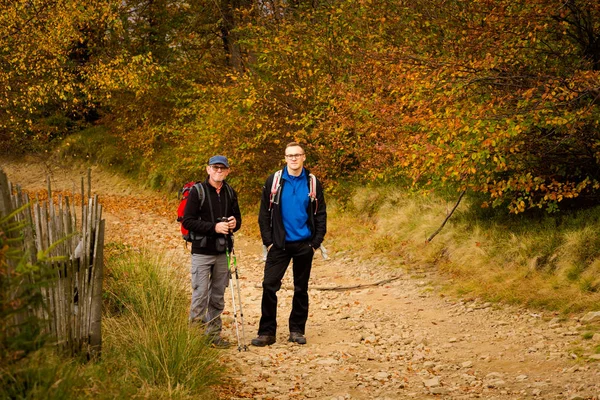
(210, 278)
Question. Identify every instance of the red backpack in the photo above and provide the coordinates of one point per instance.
(184, 193)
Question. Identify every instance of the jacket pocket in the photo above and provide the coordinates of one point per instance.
(220, 244)
(201, 239)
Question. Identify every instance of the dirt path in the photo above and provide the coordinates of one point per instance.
(397, 340)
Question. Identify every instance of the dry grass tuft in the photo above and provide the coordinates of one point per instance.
(549, 262)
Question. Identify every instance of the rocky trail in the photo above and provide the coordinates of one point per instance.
(373, 332)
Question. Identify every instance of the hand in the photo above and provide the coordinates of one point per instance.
(222, 227)
(232, 223)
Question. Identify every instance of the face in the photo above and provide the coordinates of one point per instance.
(294, 157)
(217, 172)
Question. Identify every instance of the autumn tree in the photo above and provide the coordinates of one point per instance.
(52, 51)
(494, 97)
(513, 107)
(126, 64)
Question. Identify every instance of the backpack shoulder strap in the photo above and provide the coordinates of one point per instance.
(312, 187)
(229, 190)
(275, 189)
(201, 192)
(230, 196)
(204, 193)
(312, 190)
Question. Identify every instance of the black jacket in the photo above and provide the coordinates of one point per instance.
(202, 223)
(271, 222)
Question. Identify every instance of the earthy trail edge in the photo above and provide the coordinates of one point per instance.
(395, 339)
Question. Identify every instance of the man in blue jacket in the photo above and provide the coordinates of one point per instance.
(293, 223)
(210, 217)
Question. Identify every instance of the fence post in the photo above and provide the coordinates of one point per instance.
(5, 203)
(96, 308)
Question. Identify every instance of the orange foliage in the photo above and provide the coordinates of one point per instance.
(498, 97)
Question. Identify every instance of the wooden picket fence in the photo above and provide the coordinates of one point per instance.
(70, 252)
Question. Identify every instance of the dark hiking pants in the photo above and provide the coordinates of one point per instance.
(301, 253)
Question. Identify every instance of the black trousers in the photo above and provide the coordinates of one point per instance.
(301, 253)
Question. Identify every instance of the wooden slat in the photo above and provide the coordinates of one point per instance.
(96, 311)
(76, 326)
(5, 199)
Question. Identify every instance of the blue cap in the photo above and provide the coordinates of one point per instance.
(218, 160)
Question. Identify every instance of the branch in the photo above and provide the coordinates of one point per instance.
(359, 286)
(447, 217)
(342, 288)
(16, 29)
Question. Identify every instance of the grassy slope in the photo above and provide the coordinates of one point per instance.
(550, 262)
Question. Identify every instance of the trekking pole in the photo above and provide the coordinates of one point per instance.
(239, 290)
(235, 322)
(265, 252)
(324, 253)
(242, 343)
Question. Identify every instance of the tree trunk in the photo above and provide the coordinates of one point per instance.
(230, 42)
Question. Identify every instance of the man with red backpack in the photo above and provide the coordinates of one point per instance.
(210, 216)
(293, 222)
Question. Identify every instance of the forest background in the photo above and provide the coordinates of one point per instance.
(496, 99)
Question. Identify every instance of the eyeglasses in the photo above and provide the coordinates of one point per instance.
(293, 155)
(218, 168)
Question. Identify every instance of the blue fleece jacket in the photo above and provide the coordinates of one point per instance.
(294, 206)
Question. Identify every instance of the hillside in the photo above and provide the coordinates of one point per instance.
(374, 332)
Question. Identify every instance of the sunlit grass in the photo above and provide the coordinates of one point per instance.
(543, 261)
(148, 349)
(149, 332)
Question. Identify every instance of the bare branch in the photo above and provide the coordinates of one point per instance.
(447, 217)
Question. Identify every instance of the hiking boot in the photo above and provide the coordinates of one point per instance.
(263, 340)
(219, 343)
(297, 337)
